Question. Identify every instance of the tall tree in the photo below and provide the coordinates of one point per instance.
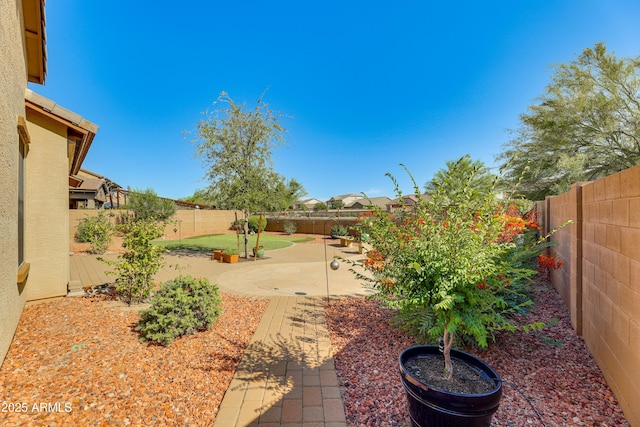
(235, 145)
(147, 205)
(585, 126)
(464, 174)
(201, 196)
(287, 194)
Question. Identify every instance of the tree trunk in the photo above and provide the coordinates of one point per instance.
(246, 235)
(448, 343)
(255, 254)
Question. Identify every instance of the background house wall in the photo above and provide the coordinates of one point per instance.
(600, 282)
(47, 228)
(13, 82)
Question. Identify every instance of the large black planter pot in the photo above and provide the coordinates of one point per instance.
(431, 407)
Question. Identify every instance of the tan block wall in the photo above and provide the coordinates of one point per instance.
(186, 223)
(13, 82)
(47, 207)
(309, 225)
(568, 279)
(601, 284)
(196, 222)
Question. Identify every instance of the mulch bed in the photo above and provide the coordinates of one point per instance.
(77, 361)
(549, 372)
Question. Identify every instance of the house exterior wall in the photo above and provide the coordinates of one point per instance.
(47, 225)
(13, 82)
(600, 282)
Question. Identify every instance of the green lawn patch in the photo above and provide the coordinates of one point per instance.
(210, 242)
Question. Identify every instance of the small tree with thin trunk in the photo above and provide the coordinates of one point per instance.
(455, 265)
(235, 145)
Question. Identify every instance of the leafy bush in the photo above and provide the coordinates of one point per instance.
(181, 307)
(290, 227)
(320, 206)
(338, 230)
(253, 224)
(146, 204)
(96, 230)
(136, 267)
(455, 265)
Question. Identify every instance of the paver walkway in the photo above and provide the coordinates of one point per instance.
(287, 376)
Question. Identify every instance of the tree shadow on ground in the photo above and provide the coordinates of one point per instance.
(282, 369)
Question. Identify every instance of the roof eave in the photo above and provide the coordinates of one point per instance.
(35, 39)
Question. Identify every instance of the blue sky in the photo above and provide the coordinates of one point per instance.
(367, 84)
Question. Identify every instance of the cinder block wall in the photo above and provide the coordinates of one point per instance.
(600, 282)
(185, 223)
(196, 222)
(568, 249)
(309, 225)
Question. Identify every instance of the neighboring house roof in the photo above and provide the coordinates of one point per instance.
(307, 202)
(409, 199)
(80, 132)
(90, 189)
(35, 39)
(110, 184)
(91, 184)
(346, 199)
(364, 202)
(345, 196)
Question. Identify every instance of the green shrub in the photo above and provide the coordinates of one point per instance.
(253, 223)
(181, 307)
(290, 227)
(136, 267)
(146, 204)
(96, 230)
(338, 230)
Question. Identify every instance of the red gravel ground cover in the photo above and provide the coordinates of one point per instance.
(80, 363)
(552, 368)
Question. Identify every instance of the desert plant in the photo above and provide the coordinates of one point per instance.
(146, 204)
(320, 206)
(290, 227)
(253, 223)
(338, 230)
(96, 230)
(136, 267)
(453, 265)
(180, 307)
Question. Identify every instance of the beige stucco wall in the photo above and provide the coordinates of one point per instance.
(13, 82)
(47, 206)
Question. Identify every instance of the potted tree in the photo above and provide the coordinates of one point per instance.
(452, 267)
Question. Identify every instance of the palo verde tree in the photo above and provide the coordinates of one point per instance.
(585, 126)
(235, 145)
